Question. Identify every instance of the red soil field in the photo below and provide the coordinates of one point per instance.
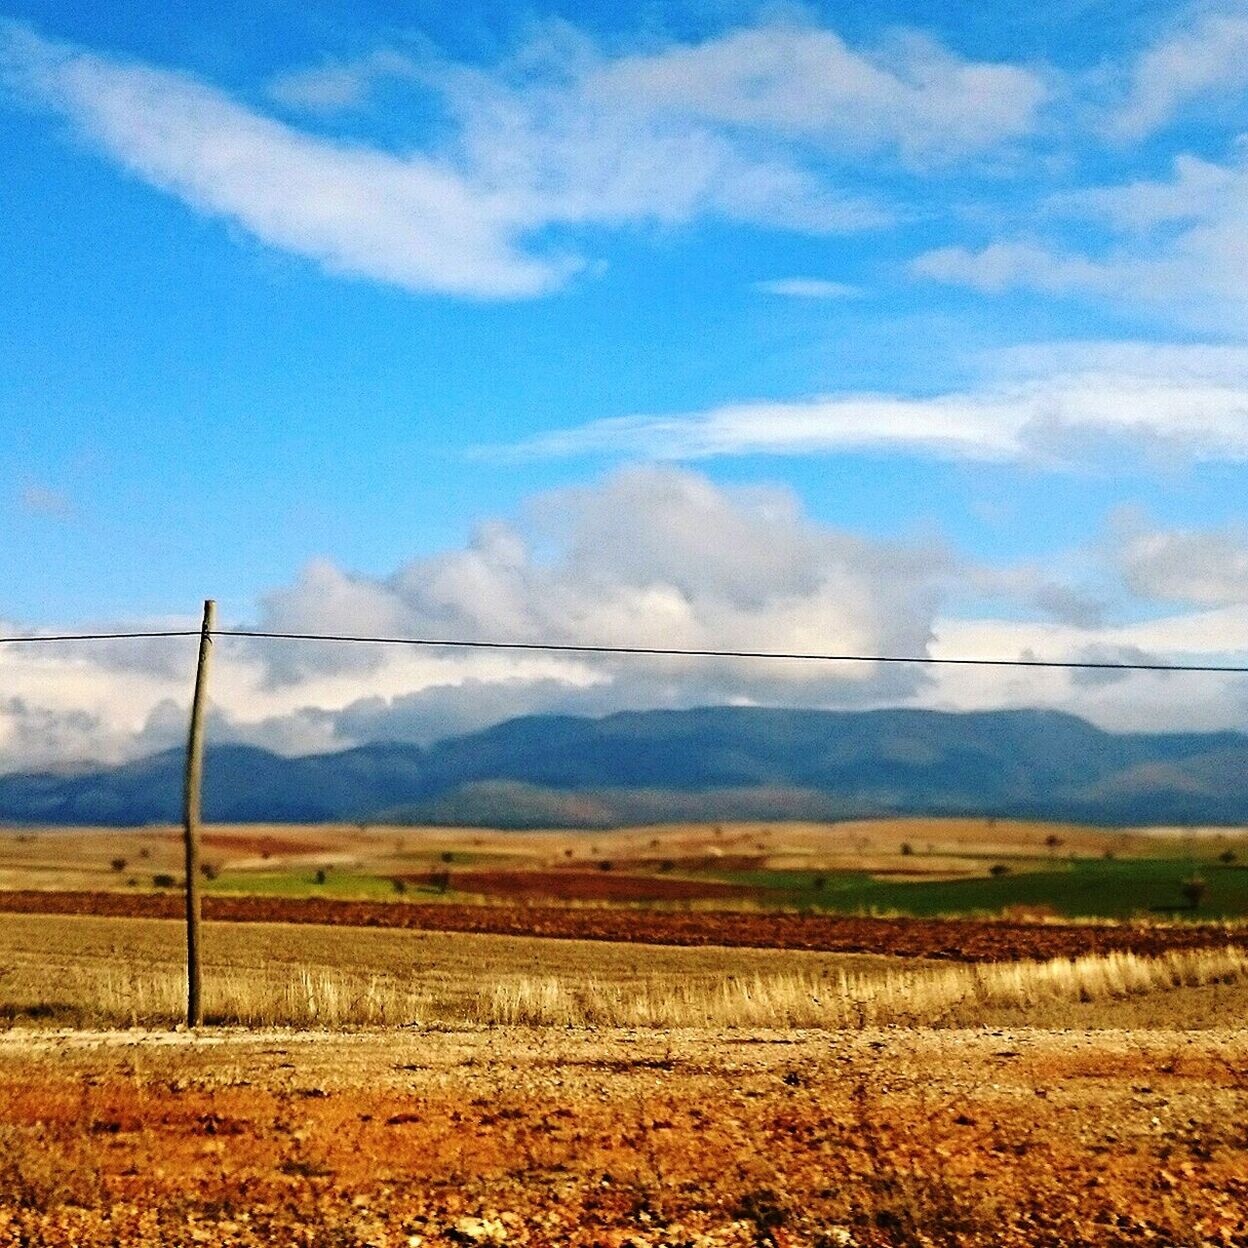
(258, 846)
(565, 884)
(963, 940)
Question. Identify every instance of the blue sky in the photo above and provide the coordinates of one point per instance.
(297, 291)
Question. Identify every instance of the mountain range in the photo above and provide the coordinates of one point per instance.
(710, 763)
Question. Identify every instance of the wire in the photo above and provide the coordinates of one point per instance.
(164, 632)
(654, 651)
(570, 648)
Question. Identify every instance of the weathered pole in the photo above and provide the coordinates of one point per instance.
(192, 809)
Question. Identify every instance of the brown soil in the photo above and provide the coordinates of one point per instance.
(566, 884)
(261, 846)
(1017, 1139)
(965, 940)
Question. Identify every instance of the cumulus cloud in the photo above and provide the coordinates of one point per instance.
(1187, 403)
(647, 556)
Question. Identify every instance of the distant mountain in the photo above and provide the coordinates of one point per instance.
(711, 763)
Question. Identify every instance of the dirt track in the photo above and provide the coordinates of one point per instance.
(965, 940)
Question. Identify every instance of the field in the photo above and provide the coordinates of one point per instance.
(1050, 1106)
(690, 1037)
(901, 866)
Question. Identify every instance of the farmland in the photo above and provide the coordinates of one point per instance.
(920, 867)
(698, 1035)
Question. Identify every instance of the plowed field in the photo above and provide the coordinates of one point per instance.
(565, 884)
(965, 940)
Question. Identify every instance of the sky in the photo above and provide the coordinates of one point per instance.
(894, 327)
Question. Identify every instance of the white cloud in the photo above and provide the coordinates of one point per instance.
(1181, 247)
(1205, 60)
(645, 557)
(743, 127)
(411, 221)
(808, 288)
(1006, 265)
(1192, 404)
(1199, 189)
(1199, 567)
(338, 85)
(911, 95)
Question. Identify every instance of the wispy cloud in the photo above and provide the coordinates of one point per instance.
(808, 288)
(743, 127)
(1197, 411)
(1178, 247)
(43, 500)
(411, 221)
(910, 94)
(1204, 60)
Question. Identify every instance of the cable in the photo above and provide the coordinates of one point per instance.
(164, 632)
(569, 648)
(654, 651)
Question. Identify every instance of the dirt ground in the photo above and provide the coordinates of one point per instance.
(544, 1137)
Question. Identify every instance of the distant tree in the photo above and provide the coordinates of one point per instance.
(567, 853)
(447, 856)
(399, 886)
(1054, 843)
(605, 865)
(906, 849)
(1194, 889)
(163, 880)
(1226, 857)
(209, 870)
(998, 869)
(118, 864)
(819, 883)
(320, 876)
(440, 880)
(667, 865)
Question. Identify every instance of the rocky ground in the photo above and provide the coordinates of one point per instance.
(543, 1137)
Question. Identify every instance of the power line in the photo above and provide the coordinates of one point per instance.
(654, 651)
(163, 632)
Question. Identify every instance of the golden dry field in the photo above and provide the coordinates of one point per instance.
(391, 1085)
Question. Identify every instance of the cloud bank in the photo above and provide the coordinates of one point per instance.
(647, 556)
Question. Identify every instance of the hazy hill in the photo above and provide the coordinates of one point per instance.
(716, 762)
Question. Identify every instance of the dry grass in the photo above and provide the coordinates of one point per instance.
(958, 995)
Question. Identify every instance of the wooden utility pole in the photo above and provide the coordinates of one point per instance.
(192, 808)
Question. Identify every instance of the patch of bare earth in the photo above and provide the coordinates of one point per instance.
(542, 1137)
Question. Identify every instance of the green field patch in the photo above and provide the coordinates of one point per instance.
(302, 882)
(1080, 888)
